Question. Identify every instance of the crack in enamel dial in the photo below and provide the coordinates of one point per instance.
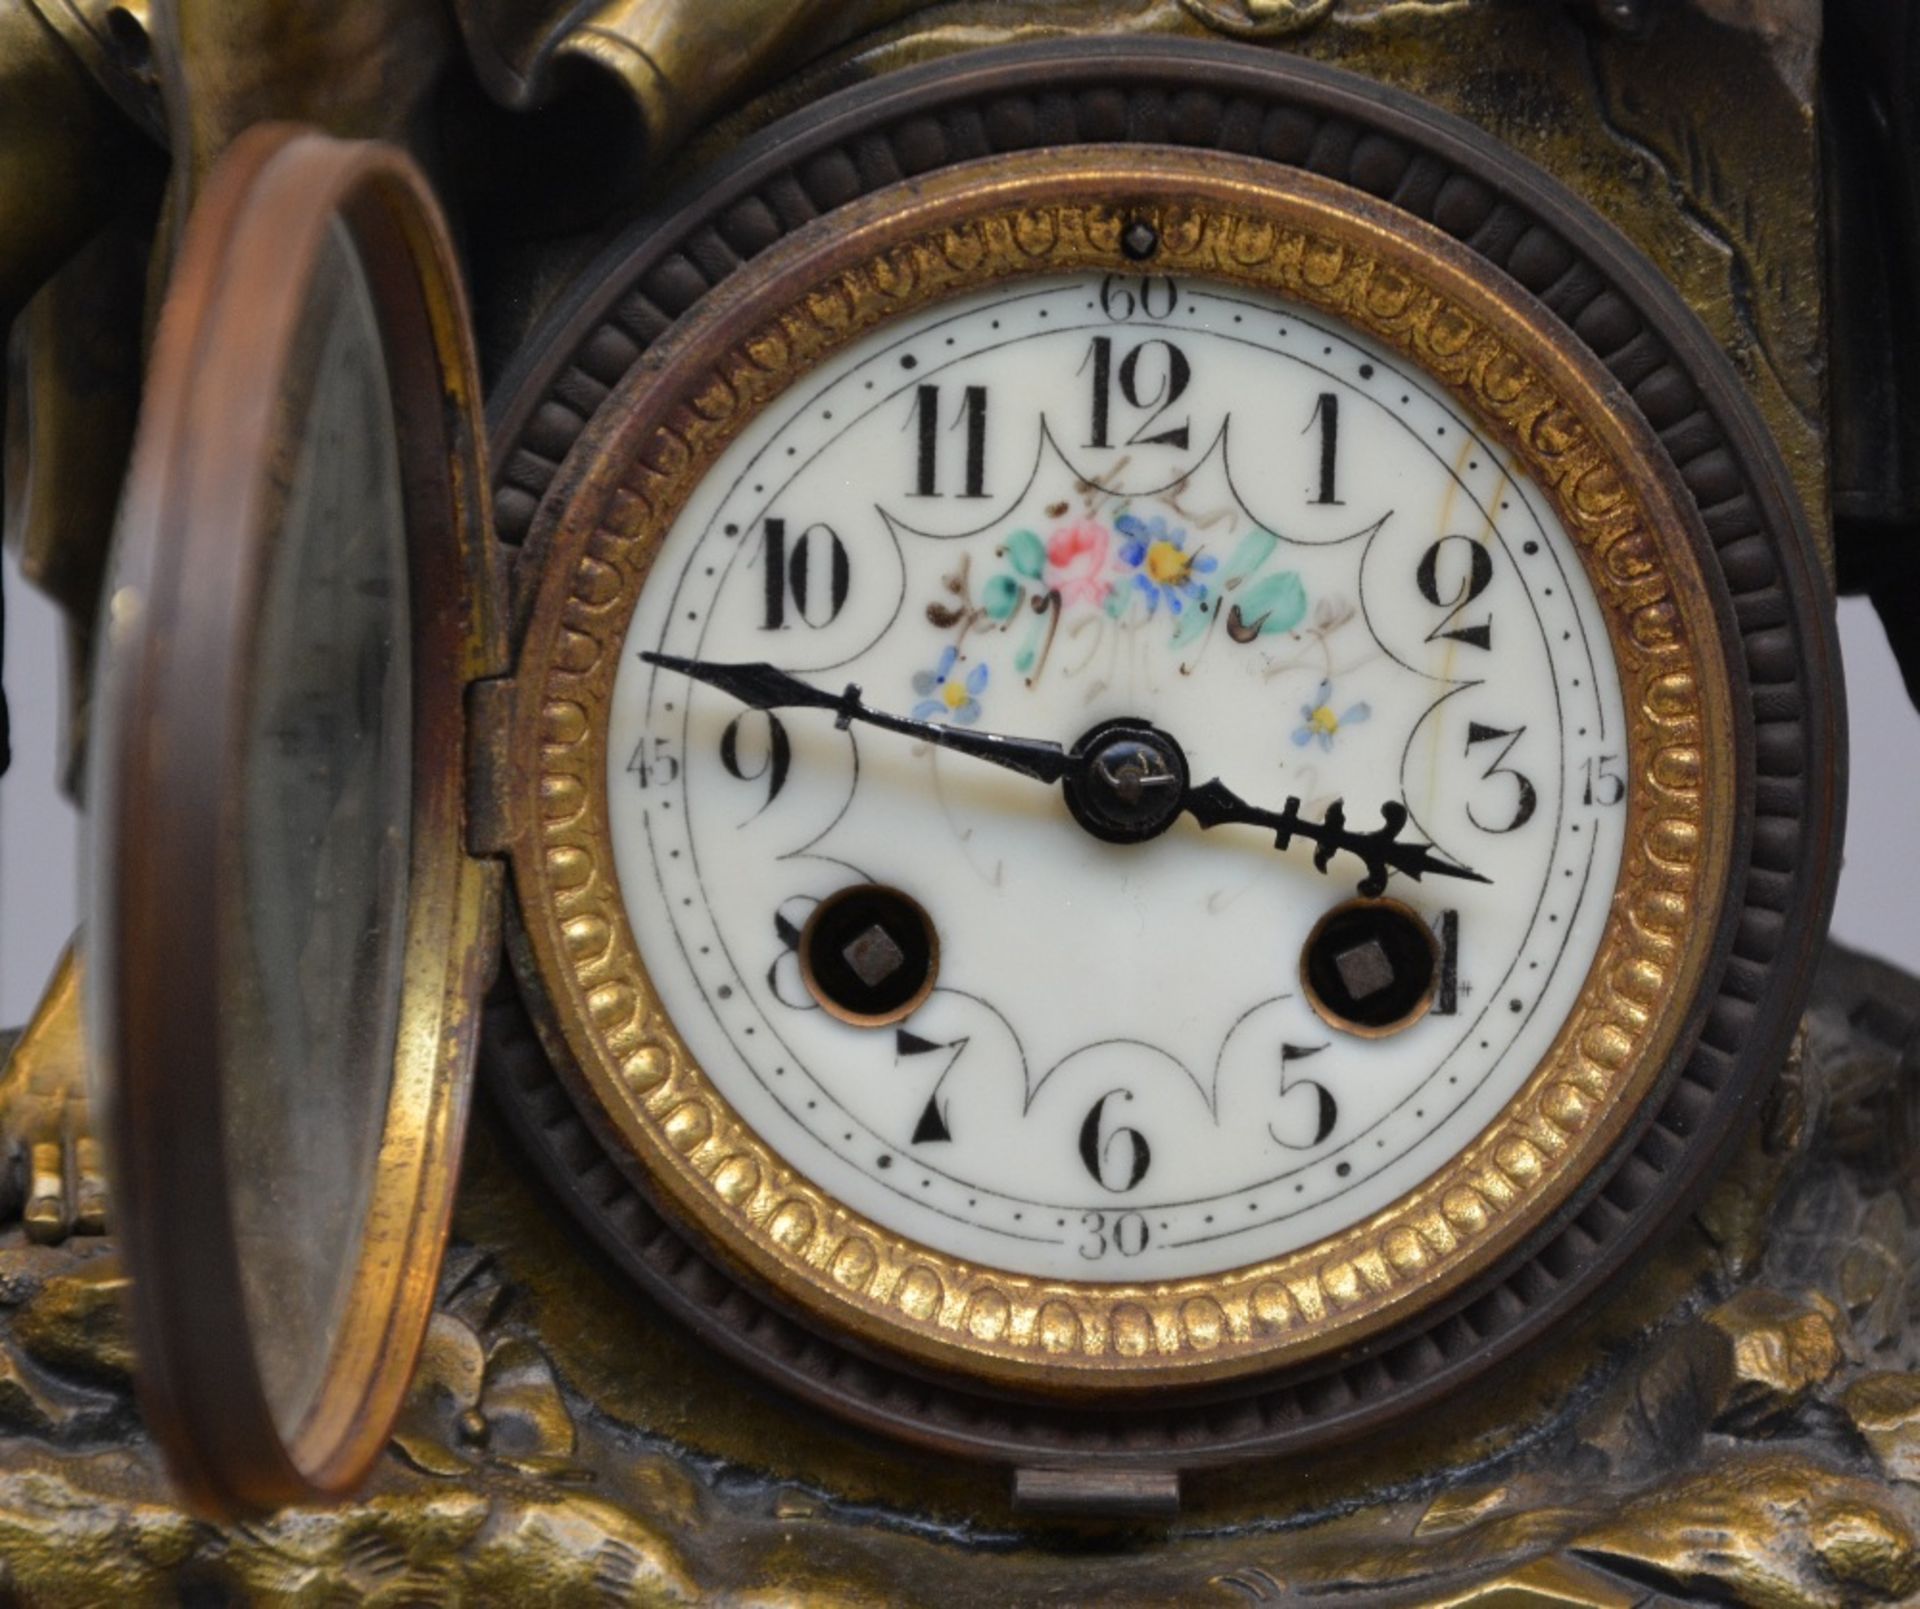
(1218, 489)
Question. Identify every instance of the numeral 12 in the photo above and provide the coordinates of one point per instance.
(1169, 390)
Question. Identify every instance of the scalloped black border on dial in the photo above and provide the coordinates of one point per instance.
(1772, 601)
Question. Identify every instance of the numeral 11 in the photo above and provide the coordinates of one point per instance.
(973, 413)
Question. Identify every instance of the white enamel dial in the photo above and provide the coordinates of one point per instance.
(1070, 501)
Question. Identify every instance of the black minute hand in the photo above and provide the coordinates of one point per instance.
(767, 687)
(1214, 804)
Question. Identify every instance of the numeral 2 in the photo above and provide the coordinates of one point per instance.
(1478, 578)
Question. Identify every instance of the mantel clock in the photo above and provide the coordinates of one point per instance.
(1123, 755)
(1161, 777)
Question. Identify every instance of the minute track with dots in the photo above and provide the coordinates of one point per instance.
(1076, 501)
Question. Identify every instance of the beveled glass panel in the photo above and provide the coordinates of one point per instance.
(313, 932)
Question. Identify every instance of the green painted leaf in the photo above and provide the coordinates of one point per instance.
(1027, 554)
(1192, 623)
(1001, 597)
(1273, 604)
(1255, 548)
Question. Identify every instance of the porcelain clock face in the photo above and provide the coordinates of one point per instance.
(1117, 776)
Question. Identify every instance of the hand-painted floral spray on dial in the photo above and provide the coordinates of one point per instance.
(1231, 595)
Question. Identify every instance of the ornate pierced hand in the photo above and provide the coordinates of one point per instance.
(1125, 781)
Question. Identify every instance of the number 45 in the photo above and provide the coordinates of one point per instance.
(651, 764)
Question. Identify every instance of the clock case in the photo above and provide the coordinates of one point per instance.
(157, 1002)
(1266, 114)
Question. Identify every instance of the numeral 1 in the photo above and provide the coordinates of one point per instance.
(1102, 383)
(1326, 414)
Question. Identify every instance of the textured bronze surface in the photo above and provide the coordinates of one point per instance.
(566, 1439)
(52, 1173)
(1734, 1426)
(1698, 140)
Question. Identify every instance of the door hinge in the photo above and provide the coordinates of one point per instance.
(493, 825)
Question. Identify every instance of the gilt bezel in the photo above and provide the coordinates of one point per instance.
(1489, 345)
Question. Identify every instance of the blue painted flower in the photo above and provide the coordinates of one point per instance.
(1163, 570)
(945, 696)
(1319, 723)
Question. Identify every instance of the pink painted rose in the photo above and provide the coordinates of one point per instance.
(1077, 561)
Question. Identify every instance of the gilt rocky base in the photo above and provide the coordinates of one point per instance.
(1741, 1424)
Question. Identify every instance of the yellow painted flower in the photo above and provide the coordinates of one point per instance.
(1168, 565)
(1163, 570)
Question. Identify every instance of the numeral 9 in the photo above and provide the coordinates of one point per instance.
(751, 762)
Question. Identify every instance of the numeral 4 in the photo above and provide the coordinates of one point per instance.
(1446, 993)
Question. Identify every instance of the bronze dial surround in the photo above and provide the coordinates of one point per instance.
(1756, 595)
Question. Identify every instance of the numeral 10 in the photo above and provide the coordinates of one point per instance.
(808, 578)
